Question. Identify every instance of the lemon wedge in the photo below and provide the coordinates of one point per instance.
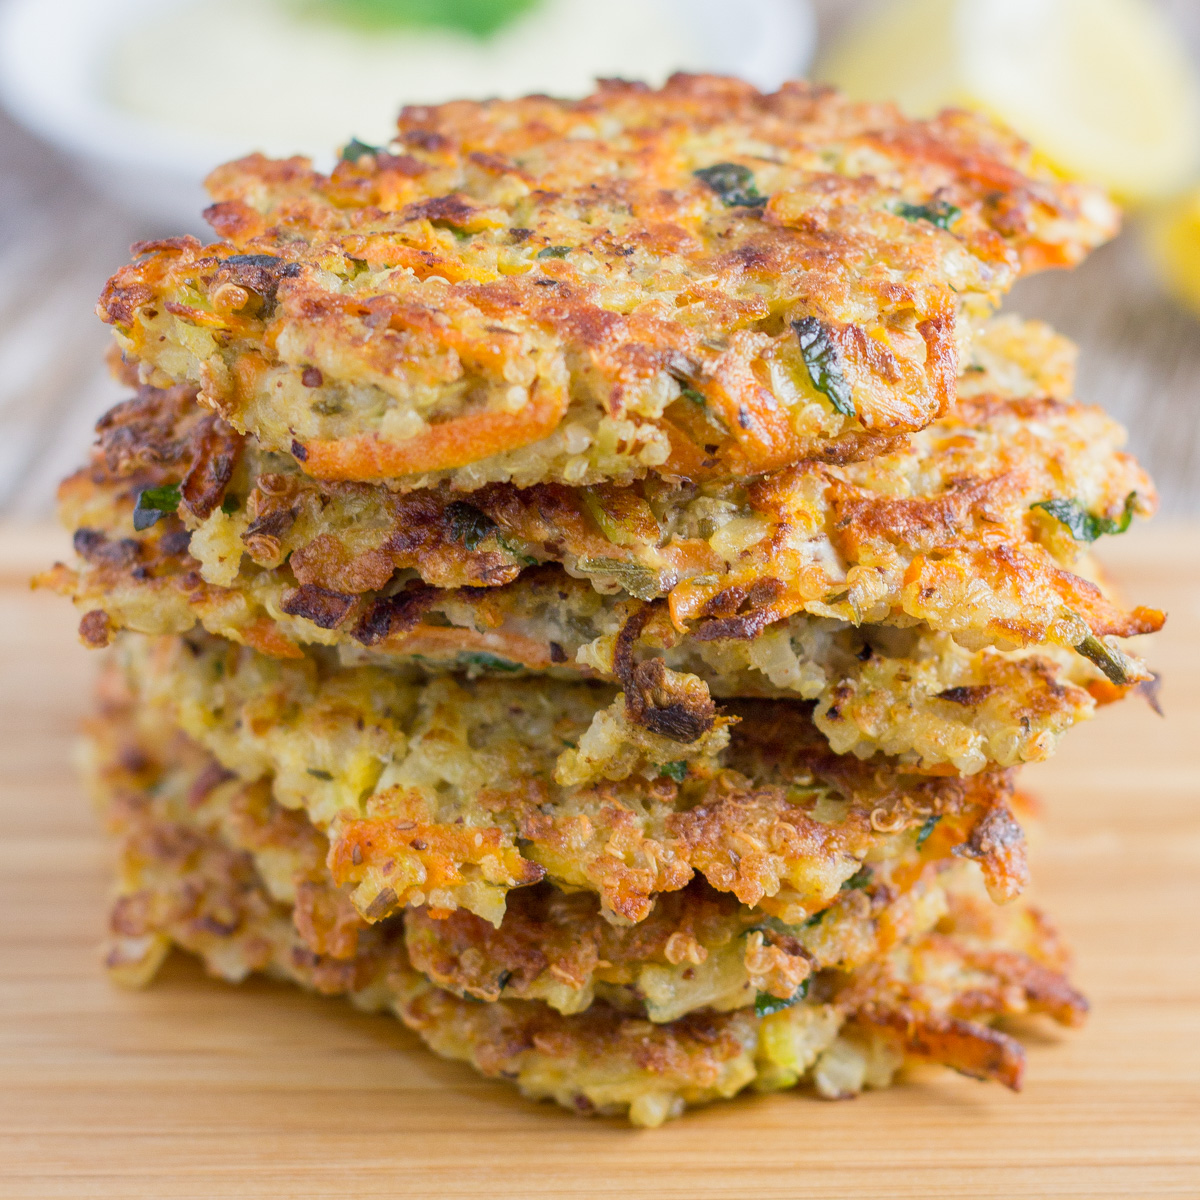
(1173, 236)
(1102, 88)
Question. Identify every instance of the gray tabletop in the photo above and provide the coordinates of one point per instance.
(1140, 353)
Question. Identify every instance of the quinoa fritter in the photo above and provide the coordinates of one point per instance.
(452, 792)
(701, 281)
(697, 949)
(911, 693)
(976, 528)
(930, 999)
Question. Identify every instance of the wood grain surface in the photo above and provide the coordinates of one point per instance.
(196, 1089)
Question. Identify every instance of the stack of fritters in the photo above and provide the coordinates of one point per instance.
(582, 577)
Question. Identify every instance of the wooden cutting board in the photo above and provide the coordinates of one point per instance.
(193, 1088)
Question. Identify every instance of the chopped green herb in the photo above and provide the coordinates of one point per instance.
(815, 919)
(1108, 658)
(1086, 526)
(859, 879)
(526, 560)
(155, 503)
(700, 400)
(353, 150)
(637, 580)
(166, 497)
(927, 827)
(939, 213)
(482, 18)
(317, 773)
(553, 252)
(230, 505)
(487, 662)
(733, 183)
(765, 1004)
(467, 524)
(675, 770)
(824, 366)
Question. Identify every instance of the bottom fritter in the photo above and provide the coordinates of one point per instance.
(214, 866)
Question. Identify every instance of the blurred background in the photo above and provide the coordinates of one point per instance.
(113, 109)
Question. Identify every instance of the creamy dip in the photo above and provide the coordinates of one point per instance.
(257, 73)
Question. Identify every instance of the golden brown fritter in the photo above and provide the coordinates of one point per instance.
(697, 949)
(182, 883)
(145, 772)
(975, 529)
(912, 693)
(451, 793)
(699, 281)
(579, 578)
(931, 1001)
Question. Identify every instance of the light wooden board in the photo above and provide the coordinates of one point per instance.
(196, 1089)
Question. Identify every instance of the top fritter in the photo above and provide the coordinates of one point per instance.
(699, 281)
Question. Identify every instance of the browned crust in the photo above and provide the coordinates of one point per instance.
(546, 933)
(741, 838)
(977, 532)
(748, 825)
(208, 895)
(815, 247)
(675, 706)
(962, 1045)
(199, 888)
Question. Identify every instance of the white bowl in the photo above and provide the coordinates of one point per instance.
(55, 56)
